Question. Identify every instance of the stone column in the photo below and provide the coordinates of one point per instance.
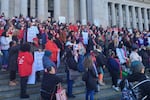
(120, 16)
(57, 7)
(71, 11)
(100, 13)
(113, 14)
(140, 19)
(32, 8)
(17, 8)
(145, 19)
(42, 9)
(128, 25)
(24, 7)
(89, 11)
(83, 12)
(134, 23)
(5, 7)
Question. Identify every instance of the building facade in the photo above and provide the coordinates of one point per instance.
(119, 13)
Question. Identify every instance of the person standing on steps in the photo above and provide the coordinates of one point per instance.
(25, 61)
(90, 77)
(12, 62)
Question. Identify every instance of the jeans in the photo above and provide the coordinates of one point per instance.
(80, 63)
(69, 85)
(5, 57)
(90, 93)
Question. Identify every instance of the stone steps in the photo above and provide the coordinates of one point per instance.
(12, 93)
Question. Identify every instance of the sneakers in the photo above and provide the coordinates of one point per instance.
(101, 83)
(116, 88)
(12, 83)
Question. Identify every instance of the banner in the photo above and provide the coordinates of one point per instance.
(32, 33)
(37, 66)
(85, 37)
(62, 19)
(38, 63)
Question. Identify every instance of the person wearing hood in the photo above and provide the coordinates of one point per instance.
(47, 63)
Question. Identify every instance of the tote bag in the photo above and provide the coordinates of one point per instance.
(61, 93)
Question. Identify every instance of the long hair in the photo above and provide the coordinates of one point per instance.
(88, 62)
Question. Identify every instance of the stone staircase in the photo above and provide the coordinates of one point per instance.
(12, 93)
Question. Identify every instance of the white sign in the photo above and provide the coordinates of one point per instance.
(97, 22)
(62, 19)
(32, 33)
(84, 22)
(130, 30)
(38, 60)
(37, 66)
(85, 37)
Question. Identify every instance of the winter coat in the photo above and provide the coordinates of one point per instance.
(113, 65)
(12, 59)
(145, 58)
(90, 79)
(51, 46)
(144, 89)
(25, 61)
(48, 85)
(49, 82)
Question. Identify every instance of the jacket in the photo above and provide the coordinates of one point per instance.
(51, 46)
(91, 81)
(25, 61)
(49, 83)
(143, 89)
(12, 60)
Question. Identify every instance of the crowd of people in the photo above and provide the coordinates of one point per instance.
(87, 49)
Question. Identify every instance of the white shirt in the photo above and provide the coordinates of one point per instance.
(134, 56)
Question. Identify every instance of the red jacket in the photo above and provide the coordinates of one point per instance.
(50, 45)
(25, 61)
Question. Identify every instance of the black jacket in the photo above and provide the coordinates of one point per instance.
(49, 82)
(144, 88)
(12, 59)
(91, 79)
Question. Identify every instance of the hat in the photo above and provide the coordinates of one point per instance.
(47, 53)
(137, 66)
